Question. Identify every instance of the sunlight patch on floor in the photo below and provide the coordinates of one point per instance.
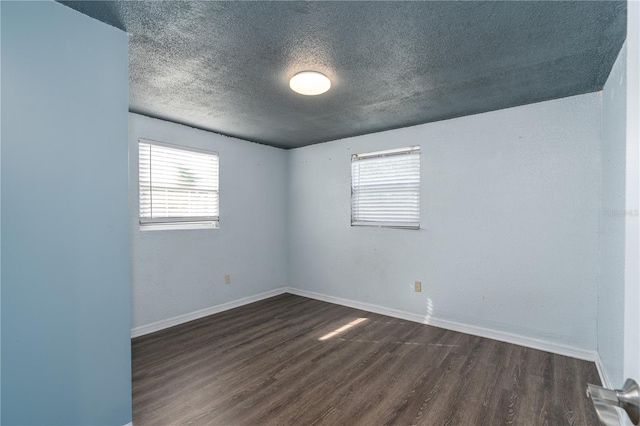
(342, 329)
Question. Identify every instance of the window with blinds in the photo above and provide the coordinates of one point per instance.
(385, 188)
(178, 186)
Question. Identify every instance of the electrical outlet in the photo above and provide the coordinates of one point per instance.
(227, 279)
(417, 286)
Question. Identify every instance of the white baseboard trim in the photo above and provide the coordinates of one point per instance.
(623, 419)
(129, 424)
(503, 336)
(602, 372)
(180, 319)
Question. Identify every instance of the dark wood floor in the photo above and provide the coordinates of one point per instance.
(276, 362)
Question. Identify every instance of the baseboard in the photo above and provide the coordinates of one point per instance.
(602, 372)
(129, 424)
(382, 310)
(180, 319)
(503, 336)
(623, 419)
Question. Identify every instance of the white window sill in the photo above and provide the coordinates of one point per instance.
(178, 226)
(395, 225)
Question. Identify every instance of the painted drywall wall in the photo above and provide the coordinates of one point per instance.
(509, 222)
(177, 272)
(632, 225)
(612, 221)
(65, 231)
(0, 223)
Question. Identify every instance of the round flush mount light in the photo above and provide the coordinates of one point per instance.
(310, 83)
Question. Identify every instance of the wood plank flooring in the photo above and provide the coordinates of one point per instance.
(280, 362)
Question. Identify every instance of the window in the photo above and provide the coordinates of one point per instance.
(385, 188)
(178, 187)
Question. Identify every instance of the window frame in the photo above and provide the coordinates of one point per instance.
(414, 149)
(176, 223)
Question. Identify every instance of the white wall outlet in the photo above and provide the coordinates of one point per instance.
(417, 286)
(227, 279)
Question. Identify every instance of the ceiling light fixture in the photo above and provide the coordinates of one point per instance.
(310, 83)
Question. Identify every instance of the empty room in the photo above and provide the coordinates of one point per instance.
(319, 213)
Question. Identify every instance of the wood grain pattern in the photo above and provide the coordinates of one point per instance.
(265, 364)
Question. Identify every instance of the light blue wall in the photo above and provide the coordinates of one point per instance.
(0, 224)
(632, 223)
(510, 203)
(612, 221)
(180, 271)
(65, 234)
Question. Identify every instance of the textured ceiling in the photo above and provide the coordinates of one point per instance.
(225, 66)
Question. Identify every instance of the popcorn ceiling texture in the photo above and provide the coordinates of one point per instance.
(225, 66)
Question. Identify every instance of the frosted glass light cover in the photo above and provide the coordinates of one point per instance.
(310, 83)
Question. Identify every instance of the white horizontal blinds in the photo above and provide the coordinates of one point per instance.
(177, 185)
(385, 188)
